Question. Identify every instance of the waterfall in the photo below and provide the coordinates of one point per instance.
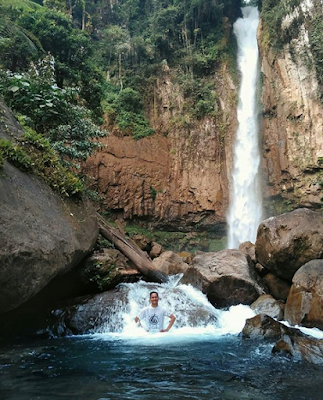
(245, 210)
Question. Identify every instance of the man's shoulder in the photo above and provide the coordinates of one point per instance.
(145, 308)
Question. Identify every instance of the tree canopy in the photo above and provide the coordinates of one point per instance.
(64, 65)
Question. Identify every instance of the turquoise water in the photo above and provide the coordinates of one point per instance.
(197, 367)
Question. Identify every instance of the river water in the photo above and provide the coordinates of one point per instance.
(202, 361)
(245, 211)
(193, 361)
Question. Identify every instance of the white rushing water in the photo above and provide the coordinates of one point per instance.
(245, 211)
(196, 318)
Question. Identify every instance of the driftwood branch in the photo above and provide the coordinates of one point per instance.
(131, 251)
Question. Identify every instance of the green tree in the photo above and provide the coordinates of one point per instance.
(52, 111)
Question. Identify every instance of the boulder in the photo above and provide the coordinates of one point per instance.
(186, 256)
(143, 242)
(266, 304)
(170, 263)
(263, 326)
(248, 248)
(277, 287)
(304, 305)
(89, 314)
(291, 342)
(227, 277)
(300, 348)
(286, 242)
(262, 271)
(41, 235)
(156, 250)
(104, 270)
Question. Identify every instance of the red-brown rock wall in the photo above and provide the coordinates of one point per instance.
(292, 125)
(176, 179)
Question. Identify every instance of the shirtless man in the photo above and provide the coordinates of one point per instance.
(153, 316)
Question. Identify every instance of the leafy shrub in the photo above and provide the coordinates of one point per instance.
(15, 154)
(125, 108)
(33, 153)
(273, 12)
(52, 111)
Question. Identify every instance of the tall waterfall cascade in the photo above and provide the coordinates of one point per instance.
(245, 210)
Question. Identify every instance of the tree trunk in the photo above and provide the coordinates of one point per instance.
(83, 17)
(131, 251)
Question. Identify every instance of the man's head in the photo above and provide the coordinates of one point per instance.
(153, 297)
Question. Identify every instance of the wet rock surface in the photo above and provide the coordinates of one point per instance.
(279, 288)
(304, 305)
(291, 342)
(266, 304)
(227, 277)
(286, 242)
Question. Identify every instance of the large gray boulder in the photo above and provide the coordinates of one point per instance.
(266, 304)
(291, 342)
(286, 242)
(227, 277)
(304, 304)
(41, 235)
(89, 314)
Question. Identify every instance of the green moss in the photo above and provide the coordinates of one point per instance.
(316, 42)
(102, 275)
(33, 153)
(278, 205)
(15, 154)
(273, 13)
(180, 241)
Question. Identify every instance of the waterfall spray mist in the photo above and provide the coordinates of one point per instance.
(245, 211)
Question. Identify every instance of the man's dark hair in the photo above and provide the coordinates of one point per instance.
(151, 293)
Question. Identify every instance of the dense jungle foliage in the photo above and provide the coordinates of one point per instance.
(277, 33)
(66, 66)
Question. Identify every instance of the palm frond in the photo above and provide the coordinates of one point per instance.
(25, 5)
(9, 29)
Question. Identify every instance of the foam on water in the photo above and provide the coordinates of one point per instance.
(314, 332)
(196, 318)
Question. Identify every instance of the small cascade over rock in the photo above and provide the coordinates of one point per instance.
(112, 313)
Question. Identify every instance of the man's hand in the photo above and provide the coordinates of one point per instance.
(171, 323)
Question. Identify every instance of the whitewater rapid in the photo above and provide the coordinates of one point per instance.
(185, 302)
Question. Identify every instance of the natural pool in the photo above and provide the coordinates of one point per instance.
(196, 367)
(189, 363)
(201, 360)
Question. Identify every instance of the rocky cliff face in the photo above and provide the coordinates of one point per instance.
(292, 128)
(178, 177)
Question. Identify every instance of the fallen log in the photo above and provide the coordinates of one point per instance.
(131, 251)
